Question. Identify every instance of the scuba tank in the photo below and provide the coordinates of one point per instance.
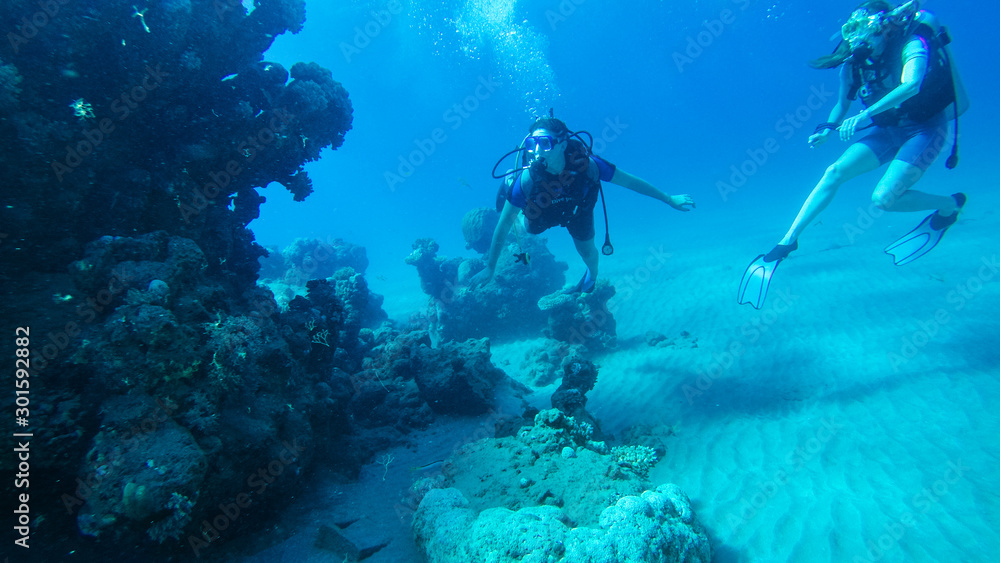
(943, 39)
(903, 14)
(942, 88)
(947, 92)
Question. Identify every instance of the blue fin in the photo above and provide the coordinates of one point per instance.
(757, 277)
(925, 237)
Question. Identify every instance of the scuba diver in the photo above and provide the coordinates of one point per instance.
(559, 185)
(897, 61)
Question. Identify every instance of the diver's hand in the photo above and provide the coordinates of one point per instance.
(679, 202)
(818, 139)
(850, 125)
(481, 278)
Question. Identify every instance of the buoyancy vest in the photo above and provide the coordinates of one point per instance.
(557, 198)
(874, 78)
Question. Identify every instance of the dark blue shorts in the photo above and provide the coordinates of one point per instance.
(915, 143)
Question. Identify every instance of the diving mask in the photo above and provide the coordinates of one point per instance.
(861, 27)
(535, 143)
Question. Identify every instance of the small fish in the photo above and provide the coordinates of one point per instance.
(465, 183)
(431, 465)
(380, 277)
(522, 258)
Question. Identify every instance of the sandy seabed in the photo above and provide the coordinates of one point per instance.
(851, 418)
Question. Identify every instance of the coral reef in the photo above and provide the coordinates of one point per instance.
(582, 319)
(132, 167)
(313, 258)
(149, 467)
(438, 276)
(640, 459)
(579, 377)
(175, 391)
(134, 124)
(653, 437)
(551, 494)
(539, 361)
(505, 308)
(306, 265)
(477, 228)
(457, 378)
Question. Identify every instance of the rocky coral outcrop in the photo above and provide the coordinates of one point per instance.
(309, 259)
(552, 494)
(457, 378)
(147, 472)
(579, 377)
(582, 319)
(507, 307)
(477, 228)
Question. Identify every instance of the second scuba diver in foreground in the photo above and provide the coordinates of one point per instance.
(559, 186)
(898, 63)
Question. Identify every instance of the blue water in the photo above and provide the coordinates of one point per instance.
(680, 91)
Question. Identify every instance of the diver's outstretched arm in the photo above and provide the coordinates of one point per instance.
(640, 186)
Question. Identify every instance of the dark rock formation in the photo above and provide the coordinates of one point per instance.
(579, 377)
(149, 471)
(458, 378)
(685, 340)
(136, 139)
